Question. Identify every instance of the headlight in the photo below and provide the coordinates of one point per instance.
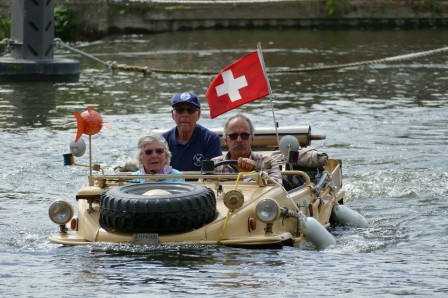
(60, 212)
(267, 210)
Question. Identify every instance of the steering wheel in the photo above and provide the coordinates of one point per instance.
(230, 162)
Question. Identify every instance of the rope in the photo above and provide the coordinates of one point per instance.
(146, 70)
(142, 69)
(367, 62)
(228, 210)
(60, 43)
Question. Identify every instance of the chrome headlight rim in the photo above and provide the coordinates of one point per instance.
(267, 210)
(61, 212)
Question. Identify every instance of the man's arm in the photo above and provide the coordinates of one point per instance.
(274, 172)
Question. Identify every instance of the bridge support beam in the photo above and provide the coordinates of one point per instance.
(31, 45)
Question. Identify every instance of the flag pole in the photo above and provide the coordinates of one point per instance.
(271, 95)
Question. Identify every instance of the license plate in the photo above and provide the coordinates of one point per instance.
(146, 238)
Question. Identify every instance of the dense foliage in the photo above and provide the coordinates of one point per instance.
(5, 28)
(66, 24)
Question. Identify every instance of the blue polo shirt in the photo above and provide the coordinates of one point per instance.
(204, 144)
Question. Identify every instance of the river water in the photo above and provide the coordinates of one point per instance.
(387, 122)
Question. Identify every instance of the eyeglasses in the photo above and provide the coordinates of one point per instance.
(180, 110)
(243, 135)
(158, 151)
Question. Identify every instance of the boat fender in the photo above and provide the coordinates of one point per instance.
(316, 233)
(342, 215)
(78, 148)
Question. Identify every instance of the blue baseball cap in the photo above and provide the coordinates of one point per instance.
(187, 97)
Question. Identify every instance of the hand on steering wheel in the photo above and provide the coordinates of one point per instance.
(240, 165)
(230, 162)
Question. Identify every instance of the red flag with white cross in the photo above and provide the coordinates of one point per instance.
(241, 82)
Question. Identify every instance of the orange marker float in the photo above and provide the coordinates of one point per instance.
(89, 122)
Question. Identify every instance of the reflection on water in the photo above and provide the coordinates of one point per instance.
(387, 123)
(29, 106)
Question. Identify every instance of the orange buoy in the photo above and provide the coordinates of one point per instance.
(89, 122)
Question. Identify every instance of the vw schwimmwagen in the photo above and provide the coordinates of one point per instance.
(240, 209)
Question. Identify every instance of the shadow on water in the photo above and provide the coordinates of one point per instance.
(171, 269)
(28, 104)
(192, 256)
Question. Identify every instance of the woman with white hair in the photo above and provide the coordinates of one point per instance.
(154, 157)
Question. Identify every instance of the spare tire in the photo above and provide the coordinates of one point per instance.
(186, 207)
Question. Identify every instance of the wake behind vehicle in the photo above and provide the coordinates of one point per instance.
(239, 209)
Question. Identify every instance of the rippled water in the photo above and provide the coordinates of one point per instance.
(387, 122)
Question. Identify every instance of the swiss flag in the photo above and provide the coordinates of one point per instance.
(241, 82)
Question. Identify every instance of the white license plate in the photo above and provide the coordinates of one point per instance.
(146, 238)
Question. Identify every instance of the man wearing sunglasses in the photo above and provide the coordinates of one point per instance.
(189, 142)
(239, 136)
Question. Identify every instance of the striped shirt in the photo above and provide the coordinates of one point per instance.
(274, 173)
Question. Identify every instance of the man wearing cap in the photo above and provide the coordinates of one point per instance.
(189, 142)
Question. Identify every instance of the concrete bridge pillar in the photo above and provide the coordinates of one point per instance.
(32, 45)
(32, 29)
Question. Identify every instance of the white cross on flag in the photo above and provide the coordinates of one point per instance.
(241, 82)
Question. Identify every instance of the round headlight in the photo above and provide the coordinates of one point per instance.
(60, 212)
(267, 210)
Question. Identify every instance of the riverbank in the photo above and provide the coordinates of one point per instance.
(103, 17)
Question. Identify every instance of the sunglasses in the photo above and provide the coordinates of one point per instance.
(243, 135)
(158, 151)
(180, 110)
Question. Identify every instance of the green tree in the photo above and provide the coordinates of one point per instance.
(5, 28)
(66, 25)
(330, 5)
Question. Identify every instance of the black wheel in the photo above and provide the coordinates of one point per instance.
(186, 207)
(230, 162)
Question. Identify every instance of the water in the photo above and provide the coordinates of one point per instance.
(387, 122)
